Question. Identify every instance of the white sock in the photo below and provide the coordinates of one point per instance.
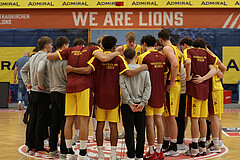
(113, 150)
(203, 139)
(195, 140)
(220, 142)
(68, 143)
(159, 147)
(151, 149)
(77, 132)
(100, 149)
(216, 141)
(174, 140)
(83, 144)
(167, 138)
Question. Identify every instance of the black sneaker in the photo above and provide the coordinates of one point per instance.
(165, 146)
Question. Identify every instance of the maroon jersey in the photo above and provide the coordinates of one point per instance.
(157, 66)
(200, 61)
(107, 91)
(78, 57)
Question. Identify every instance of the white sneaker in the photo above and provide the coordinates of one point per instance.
(182, 147)
(19, 105)
(214, 149)
(222, 146)
(171, 153)
(202, 151)
(86, 157)
(139, 158)
(130, 158)
(71, 157)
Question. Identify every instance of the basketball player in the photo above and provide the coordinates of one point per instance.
(157, 65)
(78, 92)
(173, 89)
(198, 62)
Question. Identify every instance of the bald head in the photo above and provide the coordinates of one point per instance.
(26, 53)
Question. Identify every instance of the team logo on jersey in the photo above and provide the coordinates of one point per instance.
(138, 53)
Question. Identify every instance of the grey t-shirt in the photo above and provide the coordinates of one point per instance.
(136, 89)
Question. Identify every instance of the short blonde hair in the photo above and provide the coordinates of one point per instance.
(131, 36)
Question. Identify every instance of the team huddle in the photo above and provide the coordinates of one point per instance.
(154, 86)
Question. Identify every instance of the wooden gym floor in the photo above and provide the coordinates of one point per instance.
(12, 133)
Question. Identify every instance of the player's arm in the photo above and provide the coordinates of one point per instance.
(105, 57)
(223, 69)
(132, 73)
(198, 79)
(187, 65)
(147, 90)
(120, 50)
(42, 67)
(80, 70)
(24, 73)
(51, 56)
(15, 75)
(169, 52)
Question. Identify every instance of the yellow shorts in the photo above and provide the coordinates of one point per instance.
(172, 101)
(79, 103)
(215, 104)
(110, 115)
(150, 111)
(196, 108)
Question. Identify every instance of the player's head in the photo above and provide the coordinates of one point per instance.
(158, 46)
(109, 42)
(130, 54)
(45, 43)
(164, 35)
(186, 42)
(79, 42)
(148, 41)
(131, 39)
(199, 43)
(99, 40)
(62, 42)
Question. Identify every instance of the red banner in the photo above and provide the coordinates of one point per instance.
(120, 18)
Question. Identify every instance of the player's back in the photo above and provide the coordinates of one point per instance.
(200, 61)
(107, 90)
(157, 66)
